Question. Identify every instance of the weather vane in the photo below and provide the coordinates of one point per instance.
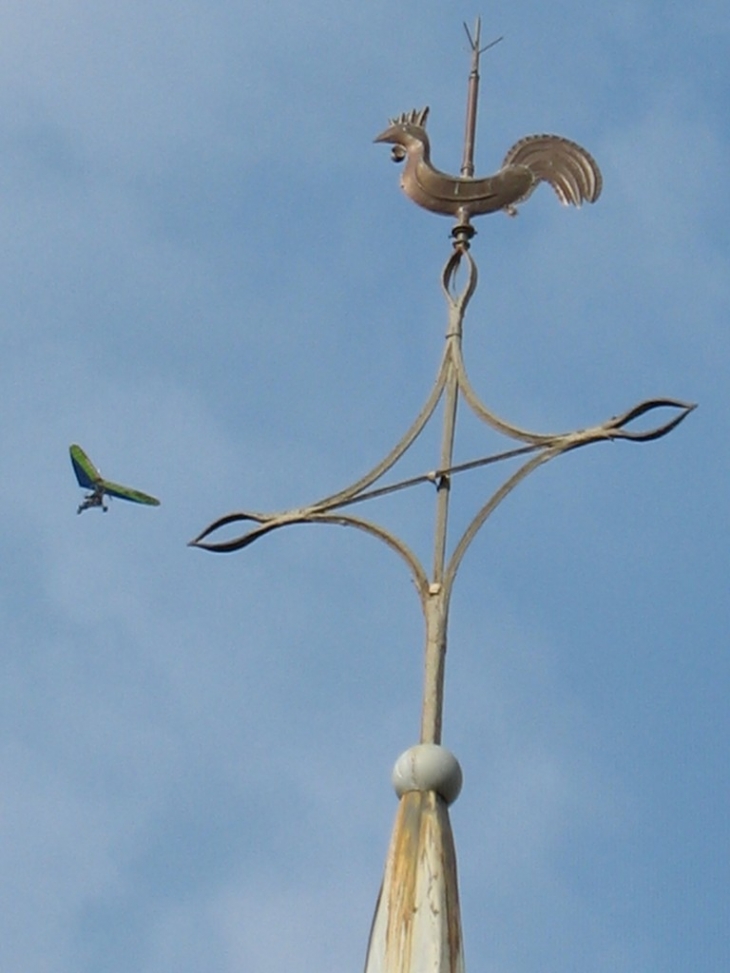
(417, 927)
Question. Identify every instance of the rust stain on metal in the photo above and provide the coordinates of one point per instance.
(416, 928)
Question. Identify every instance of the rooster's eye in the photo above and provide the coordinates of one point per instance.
(397, 153)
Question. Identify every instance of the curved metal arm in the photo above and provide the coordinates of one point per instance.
(457, 305)
(310, 516)
(318, 511)
(615, 425)
(398, 450)
(451, 382)
(549, 446)
(613, 428)
(458, 301)
(490, 418)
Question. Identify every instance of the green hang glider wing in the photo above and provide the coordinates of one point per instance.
(91, 479)
(126, 493)
(86, 473)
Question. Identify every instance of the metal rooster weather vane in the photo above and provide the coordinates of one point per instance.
(417, 927)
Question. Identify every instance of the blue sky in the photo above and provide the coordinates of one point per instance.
(212, 282)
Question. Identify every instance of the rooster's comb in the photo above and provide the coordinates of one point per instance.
(413, 117)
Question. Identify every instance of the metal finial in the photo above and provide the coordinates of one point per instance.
(416, 927)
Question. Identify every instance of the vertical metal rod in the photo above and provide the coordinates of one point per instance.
(472, 97)
(436, 607)
(467, 165)
(451, 391)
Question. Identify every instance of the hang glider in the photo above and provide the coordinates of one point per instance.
(91, 479)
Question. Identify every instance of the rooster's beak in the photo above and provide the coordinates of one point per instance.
(389, 135)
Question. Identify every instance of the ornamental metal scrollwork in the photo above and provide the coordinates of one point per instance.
(541, 447)
(417, 922)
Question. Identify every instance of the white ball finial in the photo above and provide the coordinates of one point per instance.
(428, 767)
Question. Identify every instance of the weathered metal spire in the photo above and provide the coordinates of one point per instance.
(417, 925)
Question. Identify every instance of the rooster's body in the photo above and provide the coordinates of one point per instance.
(570, 170)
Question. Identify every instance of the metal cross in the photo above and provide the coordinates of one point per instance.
(416, 928)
